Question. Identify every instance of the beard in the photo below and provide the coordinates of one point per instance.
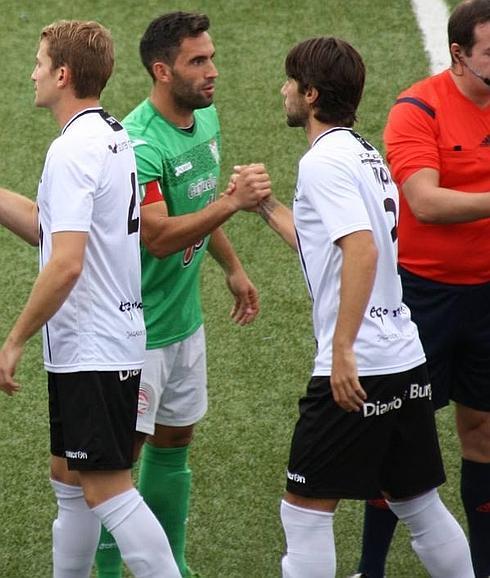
(187, 97)
(297, 117)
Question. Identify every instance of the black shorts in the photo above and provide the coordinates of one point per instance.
(454, 327)
(92, 418)
(391, 445)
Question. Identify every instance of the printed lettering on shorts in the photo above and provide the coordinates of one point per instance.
(297, 478)
(414, 391)
(76, 454)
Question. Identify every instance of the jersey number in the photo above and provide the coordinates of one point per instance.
(133, 224)
(390, 207)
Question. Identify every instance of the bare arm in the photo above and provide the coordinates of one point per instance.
(246, 306)
(19, 215)
(50, 290)
(359, 257)
(431, 203)
(280, 219)
(163, 234)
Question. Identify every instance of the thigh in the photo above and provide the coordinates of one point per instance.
(338, 454)
(93, 418)
(472, 380)
(435, 308)
(413, 462)
(184, 398)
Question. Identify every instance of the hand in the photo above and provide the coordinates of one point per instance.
(248, 186)
(346, 389)
(9, 356)
(246, 307)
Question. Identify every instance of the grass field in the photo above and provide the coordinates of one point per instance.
(255, 374)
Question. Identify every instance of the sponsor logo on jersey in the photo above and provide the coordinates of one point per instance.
(213, 147)
(379, 408)
(183, 168)
(202, 186)
(129, 306)
(76, 455)
(298, 478)
(117, 147)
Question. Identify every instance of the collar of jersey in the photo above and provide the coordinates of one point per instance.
(330, 131)
(97, 109)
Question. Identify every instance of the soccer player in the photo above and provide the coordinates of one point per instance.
(176, 138)
(87, 299)
(366, 423)
(437, 141)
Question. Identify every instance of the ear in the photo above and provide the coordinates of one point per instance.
(161, 71)
(311, 95)
(456, 52)
(63, 76)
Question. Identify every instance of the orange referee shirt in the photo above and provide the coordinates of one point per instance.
(432, 125)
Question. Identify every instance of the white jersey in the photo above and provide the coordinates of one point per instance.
(89, 184)
(344, 186)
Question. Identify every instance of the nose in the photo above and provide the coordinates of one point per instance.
(212, 70)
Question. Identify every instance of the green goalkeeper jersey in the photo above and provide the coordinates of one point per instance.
(184, 166)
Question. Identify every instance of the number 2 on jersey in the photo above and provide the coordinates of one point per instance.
(133, 223)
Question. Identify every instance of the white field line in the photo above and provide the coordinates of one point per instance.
(432, 17)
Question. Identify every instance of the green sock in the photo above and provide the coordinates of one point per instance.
(108, 559)
(165, 484)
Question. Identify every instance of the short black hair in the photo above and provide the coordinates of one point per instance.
(164, 35)
(336, 70)
(463, 20)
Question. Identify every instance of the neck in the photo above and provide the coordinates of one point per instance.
(63, 111)
(165, 105)
(314, 128)
(472, 87)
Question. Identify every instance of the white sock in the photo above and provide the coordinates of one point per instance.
(437, 538)
(140, 538)
(310, 543)
(76, 533)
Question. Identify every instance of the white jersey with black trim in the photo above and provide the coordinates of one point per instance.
(344, 186)
(89, 184)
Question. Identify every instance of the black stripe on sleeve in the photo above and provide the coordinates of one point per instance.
(417, 102)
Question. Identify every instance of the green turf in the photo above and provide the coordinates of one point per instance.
(255, 374)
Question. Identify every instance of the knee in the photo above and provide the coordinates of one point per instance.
(172, 437)
(474, 434)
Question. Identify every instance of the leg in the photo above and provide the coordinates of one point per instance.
(310, 546)
(76, 529)
(437, 538)
(379, 527)
(474, 433)
(140, 538)
(165, 484)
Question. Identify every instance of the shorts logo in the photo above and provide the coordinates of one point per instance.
(419, 391)
(379, 408)
(126, 374)
(144, 400)
(78, 455)
(296, 478)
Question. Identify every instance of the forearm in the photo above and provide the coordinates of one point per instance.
(50, 290)
(174, 234)
(19, 215)
(357, 280)
(431, 203)
(280, 219)
(223, 253)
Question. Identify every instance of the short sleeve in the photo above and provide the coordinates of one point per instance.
(332, 187)
(74, 172)
(410, 138)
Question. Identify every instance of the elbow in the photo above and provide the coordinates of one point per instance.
(156, 249)
(426, 215)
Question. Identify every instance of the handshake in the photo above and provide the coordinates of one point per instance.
(248, 187)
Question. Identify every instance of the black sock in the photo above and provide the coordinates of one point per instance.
(379, 526)
(475, 493)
